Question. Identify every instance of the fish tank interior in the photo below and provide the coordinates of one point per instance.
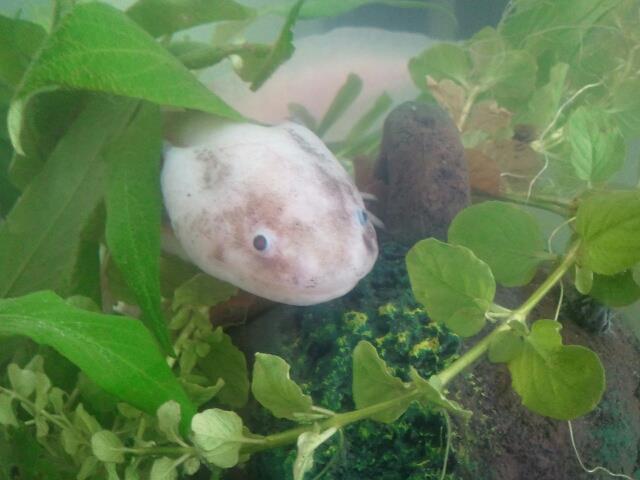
(319, 239)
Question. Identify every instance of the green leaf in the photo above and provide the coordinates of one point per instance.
(273, 388)
(23, 381)
(433, 397)
(625, 107)
(8, 193)
(636, 273)
(134, 208)
(86, 52)
(217, 434)
(555, 380)
(307, 444)
(373, 383)
(40, 239)
(331, 8)
(281, 51)
(597, 147)
(169, 419)
(163, 468)
(362, 126)
(444, 60)
(583, 280)
(225, 361)
(609, 226)
(7, 415)
(19, 41)
(455, 286)
(107, 447)
(616, 290)
(545, 101)
(345, 97)
(504, 236)
(505, 346)
(117, 353)
(163, 17)
(202, 291)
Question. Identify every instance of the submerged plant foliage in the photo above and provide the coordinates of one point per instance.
(547, 104)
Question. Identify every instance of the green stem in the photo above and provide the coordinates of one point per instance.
(156, 451)
(551, 204)
(338, 421)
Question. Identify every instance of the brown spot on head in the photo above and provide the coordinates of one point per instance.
(215, 170)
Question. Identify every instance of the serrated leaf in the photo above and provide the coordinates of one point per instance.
(7, 415)
(107, 447)
(217, 434)
(134, 209)
(616, 290)
(162, 17)
(307, 444)
(504, 236)
(202, 291)
(555, 380)
(117, 353)
(433, 397)
(609, 226)
(505, 346)
(86, 52)
(163, 469)
(40, 239)
(598, 148)
(373, 383)
(455, 286)
(444, 60)
(273, 388)
(226, 362)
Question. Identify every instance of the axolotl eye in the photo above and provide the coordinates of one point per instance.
(363, 218)
(260, 243)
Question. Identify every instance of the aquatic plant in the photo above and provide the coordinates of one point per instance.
(546, 103)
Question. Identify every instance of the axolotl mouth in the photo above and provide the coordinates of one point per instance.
(268, 209)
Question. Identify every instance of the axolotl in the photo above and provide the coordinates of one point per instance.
(270, 210)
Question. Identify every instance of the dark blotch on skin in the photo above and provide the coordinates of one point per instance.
(215, 171)
(422, 162)
(304, 145)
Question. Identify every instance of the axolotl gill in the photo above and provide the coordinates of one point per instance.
(268, 209)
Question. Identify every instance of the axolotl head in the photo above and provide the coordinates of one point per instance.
(269, 209)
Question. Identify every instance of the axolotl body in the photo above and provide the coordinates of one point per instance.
(268, 209)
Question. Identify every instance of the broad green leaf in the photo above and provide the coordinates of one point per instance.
(225, 361)
(555, 380)
(217, 434)
(444, 60)
(583, 280)
(307, 444)
(597, 147)
(8, 193)
(504, 236)
(202, 291)
(117, 353)
(545, 101)
(625, 107)
(40, 239)
(19, 41)
(373, 383)
(609, 226)
(341, 103)
(505, 346)
(615, 290)
(433, 398)
(134, 208)
(281, 50)
(452, 283)
(273, 388)
(162, 17)
(107, 447)
(86, 52)
(163, 468)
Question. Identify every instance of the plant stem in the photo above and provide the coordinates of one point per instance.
(552, 204)
(337, 421)
(156, 451)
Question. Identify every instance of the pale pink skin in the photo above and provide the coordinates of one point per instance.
(319, 67)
